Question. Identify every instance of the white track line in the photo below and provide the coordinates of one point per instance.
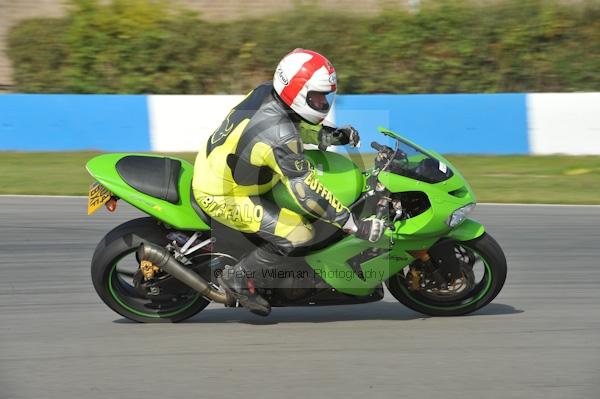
(479, 203)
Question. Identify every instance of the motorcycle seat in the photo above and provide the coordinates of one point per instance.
(154, 176)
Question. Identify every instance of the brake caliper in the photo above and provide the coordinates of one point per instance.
(416, 274)
(148, 269)
(414, 281)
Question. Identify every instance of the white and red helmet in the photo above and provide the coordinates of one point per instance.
(306, 82)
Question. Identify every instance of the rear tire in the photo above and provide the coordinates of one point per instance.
(483, 293)
(122, 242)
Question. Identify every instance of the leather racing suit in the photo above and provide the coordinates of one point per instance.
(259, 144)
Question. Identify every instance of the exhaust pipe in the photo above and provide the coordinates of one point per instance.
(160, 257)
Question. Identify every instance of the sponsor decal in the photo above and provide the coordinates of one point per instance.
(398, 258)
(300, 164)
(315, 185)
(282, 76)
(236, 213)
(333, 78)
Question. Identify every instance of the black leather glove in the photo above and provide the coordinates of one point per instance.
(338, 136)
(369, 229)
(347, 135)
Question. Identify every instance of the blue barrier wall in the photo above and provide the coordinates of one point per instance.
(541, 123)
(31, 122)
(450, 123)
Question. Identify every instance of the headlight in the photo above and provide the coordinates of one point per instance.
(459, 215)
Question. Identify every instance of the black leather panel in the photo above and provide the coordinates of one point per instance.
(197, 208)
(246, 174)
(155, 176)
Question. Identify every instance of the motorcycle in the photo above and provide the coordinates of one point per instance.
(432, 257)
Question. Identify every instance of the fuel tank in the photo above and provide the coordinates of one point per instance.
(337, 173)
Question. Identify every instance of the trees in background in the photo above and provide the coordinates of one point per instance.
(142, 46)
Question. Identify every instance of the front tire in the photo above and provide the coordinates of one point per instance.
(479, 295)
(111, 281)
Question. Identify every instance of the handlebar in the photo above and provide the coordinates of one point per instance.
(376, 146)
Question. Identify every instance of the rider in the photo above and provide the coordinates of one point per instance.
(260, 143)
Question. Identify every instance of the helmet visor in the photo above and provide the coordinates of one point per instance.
(320, 101)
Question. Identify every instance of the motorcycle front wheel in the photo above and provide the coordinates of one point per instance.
(483, 273)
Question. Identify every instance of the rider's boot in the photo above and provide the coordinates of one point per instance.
(239, 280)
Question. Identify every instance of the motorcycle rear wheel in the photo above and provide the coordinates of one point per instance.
(494, 269)
(113, 269)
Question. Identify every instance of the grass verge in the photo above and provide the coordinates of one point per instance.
(522, 179)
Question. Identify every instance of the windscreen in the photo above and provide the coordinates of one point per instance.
(411, 162)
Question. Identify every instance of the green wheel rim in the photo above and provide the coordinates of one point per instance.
(457, 307)
(115, 296)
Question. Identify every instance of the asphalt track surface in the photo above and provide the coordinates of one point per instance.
(539, 339)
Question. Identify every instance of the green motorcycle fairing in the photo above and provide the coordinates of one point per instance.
(333, 264)
(181, 216)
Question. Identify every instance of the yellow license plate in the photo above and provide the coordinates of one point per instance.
(97, 196)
